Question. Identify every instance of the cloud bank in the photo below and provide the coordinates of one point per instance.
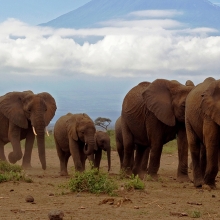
(152, 47)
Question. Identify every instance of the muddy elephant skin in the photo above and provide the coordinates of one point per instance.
(74, 134)
(203, 126)
(22, 114)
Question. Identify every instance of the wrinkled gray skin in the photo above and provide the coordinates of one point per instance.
(203, 126)
(74, 135)
(102, 144)
(152, 115)
(19, 112)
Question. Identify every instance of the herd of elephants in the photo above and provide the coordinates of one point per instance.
(153, 113)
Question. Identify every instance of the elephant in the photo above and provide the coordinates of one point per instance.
(152, 115)
(203, 128)
(74, 135)
(24, 115)
(102, 143)
(119, 142)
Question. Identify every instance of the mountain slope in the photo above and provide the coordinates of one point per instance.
(197, 13)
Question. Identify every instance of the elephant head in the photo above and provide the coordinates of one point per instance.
(210, 103)
(82, 129)
(103, 143)
(25, 109)
(166, 99)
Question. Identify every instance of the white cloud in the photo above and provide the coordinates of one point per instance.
(151, 48)
(156, 13)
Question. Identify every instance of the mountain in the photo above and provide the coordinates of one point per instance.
(196, 13)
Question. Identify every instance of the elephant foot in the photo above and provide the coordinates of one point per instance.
(183, 178)
(154, 176)
(64, 173)
(209, 187)
(26, 166)
(125, 173)
(198, 183)
(142, 174)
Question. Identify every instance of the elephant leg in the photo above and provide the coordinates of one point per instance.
(182, 171)
(155, 155)
(194, 146)
(144, 162)
(120, 150)
(63, 157)
(211, 154)
(219, 159)
(98, 156)
(128, 151)
(2, 151)
(76, 152)
(138, 161)
(26, 163)
(82, 158)
(14, 137)
(203, 160)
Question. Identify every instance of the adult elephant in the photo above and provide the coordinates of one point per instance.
(102, 140)
(203, 126)
(74, 134)
(119, 142)
(153, 114)
(24, 115)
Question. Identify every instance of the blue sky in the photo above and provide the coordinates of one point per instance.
(37, 11)
(47, 59)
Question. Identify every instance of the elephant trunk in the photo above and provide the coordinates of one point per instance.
(39, 131)
(109, 158)
(89, 147)
(41, 148)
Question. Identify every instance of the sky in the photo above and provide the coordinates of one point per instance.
(128, 52)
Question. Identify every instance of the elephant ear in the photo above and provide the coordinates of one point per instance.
(158, 100)
(11, 105)
(71, 128)
(51, 106)
(211, 101)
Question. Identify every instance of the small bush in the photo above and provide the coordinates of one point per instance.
(134, 183)
(12, 172)
(6, 167)
(92, 181)
(195, 214)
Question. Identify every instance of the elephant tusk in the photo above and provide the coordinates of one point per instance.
(47, 132)
(34, 131)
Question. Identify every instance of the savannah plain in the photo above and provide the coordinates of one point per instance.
(165, 198)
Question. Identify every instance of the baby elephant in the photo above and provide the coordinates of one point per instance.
(102, 143)
(74, 134)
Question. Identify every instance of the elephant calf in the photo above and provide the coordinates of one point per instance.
(74, 134)
(102, 143)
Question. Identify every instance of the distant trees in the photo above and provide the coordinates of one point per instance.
(102, 122)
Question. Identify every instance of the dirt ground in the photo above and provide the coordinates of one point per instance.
(162, 199)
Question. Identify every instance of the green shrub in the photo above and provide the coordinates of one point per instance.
(134, 183)
(12, 172)
(195, 214)
(92, 181)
